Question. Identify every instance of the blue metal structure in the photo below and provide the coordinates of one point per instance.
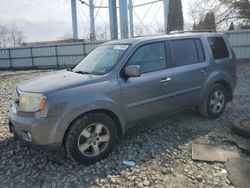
(126, 13)
(74, 19)
(113, 19)
(131, 19)
(92, 20)
(166, 10)
(123, 7)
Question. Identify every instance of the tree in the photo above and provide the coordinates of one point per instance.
(67, 36)
(102, 32)
(11, 36)
(209, 21)
(231, 27)
(3, 37)
(226, 11)
(236, 10)
(207, 24)
(175, 17)
(194, 26)
(244, 13)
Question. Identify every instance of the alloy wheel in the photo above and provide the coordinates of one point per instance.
(217, 101)
(93, 140)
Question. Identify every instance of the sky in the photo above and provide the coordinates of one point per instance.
(43, 20)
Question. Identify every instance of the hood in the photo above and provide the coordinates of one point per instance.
(58, 80)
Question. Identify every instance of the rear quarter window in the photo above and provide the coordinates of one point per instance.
(218, 47)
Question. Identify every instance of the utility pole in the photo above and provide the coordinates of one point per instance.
(74, 19)
(123, 6)
(113, 19)
(92, 20)
(131, 19)
(166, 11)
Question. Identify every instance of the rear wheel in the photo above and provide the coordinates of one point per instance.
(215, 103)
(90, 138)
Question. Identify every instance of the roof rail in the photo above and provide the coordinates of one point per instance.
(139, 36)
(192, 31)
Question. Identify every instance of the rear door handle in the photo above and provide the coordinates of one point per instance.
(164, 80)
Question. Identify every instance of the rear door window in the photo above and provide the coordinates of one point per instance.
(187, 51)
(218, 47)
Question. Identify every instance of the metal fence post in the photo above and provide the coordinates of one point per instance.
(32, 60)
(10, 58)
(84, 49)
(56, 51)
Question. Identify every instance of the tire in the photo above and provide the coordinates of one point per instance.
(215, 103)
(90, 138)
(241, 126)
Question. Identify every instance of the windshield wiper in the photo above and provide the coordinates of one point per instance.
(69, 69)
(82, 72)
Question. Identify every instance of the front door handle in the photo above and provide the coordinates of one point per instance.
(164, 80)
(204, 70)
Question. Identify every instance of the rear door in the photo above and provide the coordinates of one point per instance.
(149, 94)
(189, 70)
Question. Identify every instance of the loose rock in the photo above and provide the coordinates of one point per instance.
(159, 148)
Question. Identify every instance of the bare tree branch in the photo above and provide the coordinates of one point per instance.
(11, 36)
(226, 11)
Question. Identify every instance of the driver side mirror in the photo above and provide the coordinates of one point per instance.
(133, 71)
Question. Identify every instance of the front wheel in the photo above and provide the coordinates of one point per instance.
(90, 138)
(215, 103)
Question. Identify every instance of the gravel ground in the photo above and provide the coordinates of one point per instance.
(160, 149)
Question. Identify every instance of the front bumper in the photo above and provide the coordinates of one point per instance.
(39, 131)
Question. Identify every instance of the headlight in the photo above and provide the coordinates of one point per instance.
(31, 102)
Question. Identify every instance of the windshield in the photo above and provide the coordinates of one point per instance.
(101, 60)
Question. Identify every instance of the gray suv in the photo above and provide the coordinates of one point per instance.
(85, 109)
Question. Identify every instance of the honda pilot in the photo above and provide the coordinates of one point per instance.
(85, 109)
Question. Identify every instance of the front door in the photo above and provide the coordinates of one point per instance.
(149, 94)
